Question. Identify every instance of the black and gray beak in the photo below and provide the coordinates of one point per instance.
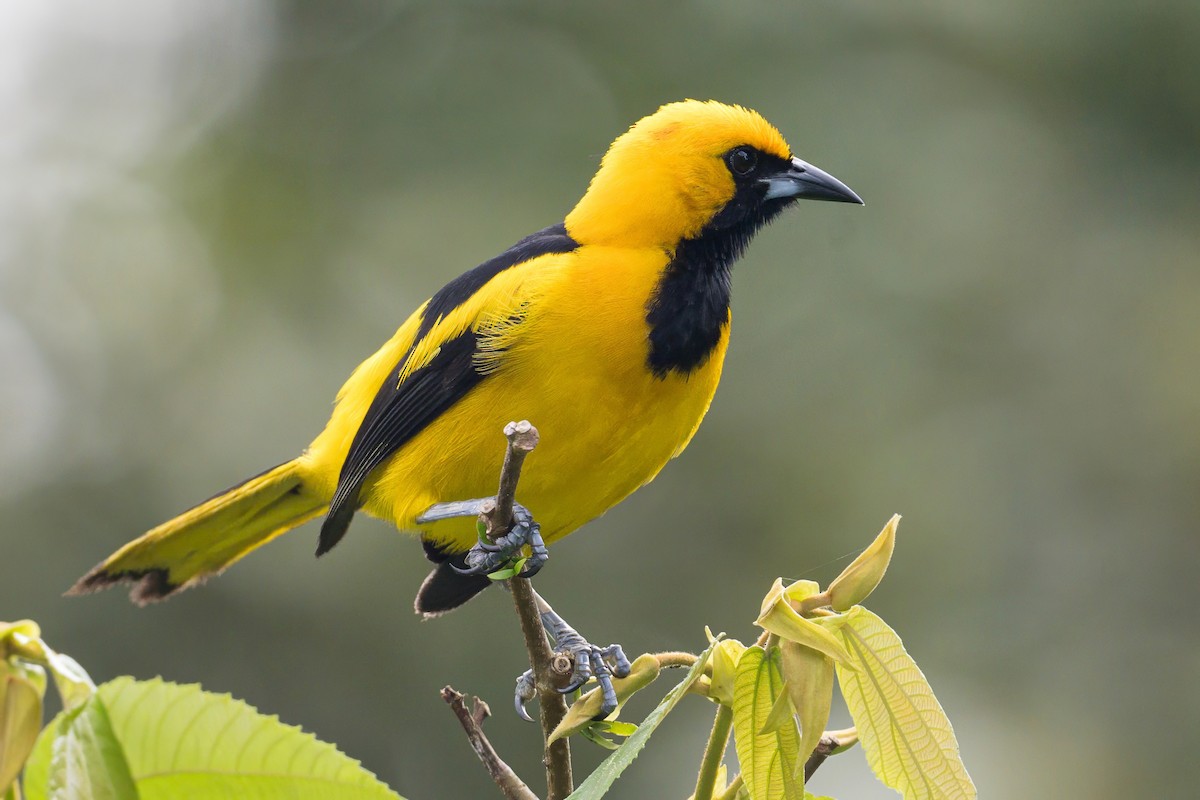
(803, 181)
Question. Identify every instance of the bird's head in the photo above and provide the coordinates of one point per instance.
(694, 166)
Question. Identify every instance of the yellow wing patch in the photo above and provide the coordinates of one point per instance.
(496, 313)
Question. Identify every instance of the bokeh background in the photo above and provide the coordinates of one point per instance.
(211, 210)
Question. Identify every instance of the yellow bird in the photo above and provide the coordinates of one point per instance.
(607, 330)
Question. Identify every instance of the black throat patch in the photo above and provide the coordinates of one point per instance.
(690, 307)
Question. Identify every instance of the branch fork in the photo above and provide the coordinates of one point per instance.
(550, 670)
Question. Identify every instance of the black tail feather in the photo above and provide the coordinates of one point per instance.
(336, 523)
(445, 590)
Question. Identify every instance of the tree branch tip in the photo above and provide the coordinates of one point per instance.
(480, 710)
(562, 664)
(510, 785)
(829, 744)
(522, 435)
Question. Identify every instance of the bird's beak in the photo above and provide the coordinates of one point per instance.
(804, 181)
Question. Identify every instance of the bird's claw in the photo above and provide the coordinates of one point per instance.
(589, 661)
(603, 664)
(526, 691)
(486, 557)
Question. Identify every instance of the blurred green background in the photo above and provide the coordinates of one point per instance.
(211, 210)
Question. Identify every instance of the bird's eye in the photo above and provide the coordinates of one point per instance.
(742, 160)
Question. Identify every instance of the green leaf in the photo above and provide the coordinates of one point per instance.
(74, 685)
(602, 778)
(79, 757)
(595, 737)
(782, 714)
(595, 732)
(617, 728)
(905, 734)
(37, 767)
(511, 571)
(809, 680)
(180, 741)
(767, 759)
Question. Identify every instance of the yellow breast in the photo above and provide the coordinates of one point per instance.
(578, 371)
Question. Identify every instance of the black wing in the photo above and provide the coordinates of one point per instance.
(401, 410)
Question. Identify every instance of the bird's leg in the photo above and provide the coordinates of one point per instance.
(485, 556)
(601, 663)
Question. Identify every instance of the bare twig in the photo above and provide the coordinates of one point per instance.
(828, 743)
(552, 706)
(472, 722)
(498, 515)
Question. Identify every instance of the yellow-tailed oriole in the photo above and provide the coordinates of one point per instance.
(607, 330)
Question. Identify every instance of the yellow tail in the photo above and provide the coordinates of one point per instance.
(203, 541)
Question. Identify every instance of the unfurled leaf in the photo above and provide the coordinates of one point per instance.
(602, 778)
(767, 759)
(905, 734)
(83, 758)
(74, 685)
(809, 677)
(642, 672)
(782, 620)
(179, 741)
(858, 580)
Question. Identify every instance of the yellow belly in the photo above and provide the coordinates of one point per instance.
(578, 372)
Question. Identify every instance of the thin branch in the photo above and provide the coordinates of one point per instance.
(675, 658)
(472, 722)
(714, 753)
(827, 746)
(552, 706)
(522, 438)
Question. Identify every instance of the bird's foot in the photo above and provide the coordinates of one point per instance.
(590, 661)
(487, 557)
